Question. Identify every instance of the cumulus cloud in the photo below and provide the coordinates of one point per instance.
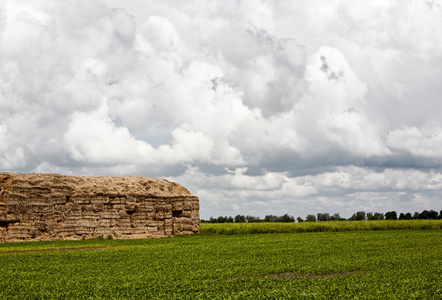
(423, 142)
(255, 105)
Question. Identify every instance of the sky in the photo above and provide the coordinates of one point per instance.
(256, 106)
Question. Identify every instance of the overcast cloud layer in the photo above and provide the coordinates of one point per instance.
(257, 107)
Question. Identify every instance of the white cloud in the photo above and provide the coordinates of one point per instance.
(188, 146)
(92, 138)
(158, 37)
(424, 142)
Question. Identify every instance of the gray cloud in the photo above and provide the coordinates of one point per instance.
(257, 106)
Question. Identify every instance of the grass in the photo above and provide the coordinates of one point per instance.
(365, 264)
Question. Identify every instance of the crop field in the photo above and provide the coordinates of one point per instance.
(252, 228)
(337, 264)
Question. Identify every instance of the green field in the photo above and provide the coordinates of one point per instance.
(353, 264)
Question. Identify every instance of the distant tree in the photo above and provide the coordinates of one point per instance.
(310, 218)
(336, 217)
(239, 219)
(222, 219)
(391, 215)
(432, 214)
(401, 216)
(378, 216)
(375, 216)
(271, 218)
(440, 215)
(213, 220)
(424, 215)
(299, 219)
(416, 215)
(428, 215)
(359, 216)
(323, 217)
(408, 216)
(252, 219)
(286, 218)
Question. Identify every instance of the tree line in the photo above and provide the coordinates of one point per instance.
(321, 217)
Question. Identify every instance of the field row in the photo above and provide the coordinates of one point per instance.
(328, 226)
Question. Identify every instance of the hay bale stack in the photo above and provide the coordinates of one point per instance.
(56, 207)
